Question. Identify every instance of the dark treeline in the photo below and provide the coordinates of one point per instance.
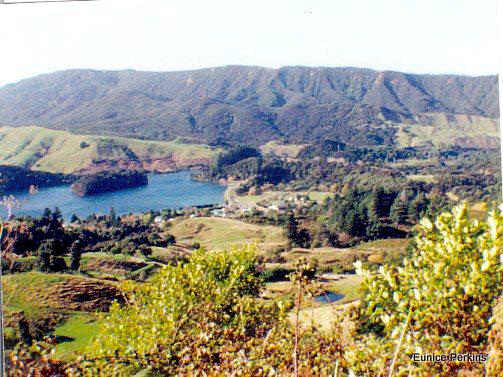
(108, 182)
(15, 179)
(48, 238)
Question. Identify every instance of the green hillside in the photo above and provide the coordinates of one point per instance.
(442, 130)
(63, 152)
(243, 104)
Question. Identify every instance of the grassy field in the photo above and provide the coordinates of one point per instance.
(63, 304)
(75, 335)
(348, 285)
(24, 291)
(220, 233)
(282, 150)
(441, 129)
(274, 197)
(334, 260)
(384, 245)
(63, 152)
(32, 291)
(427, 178)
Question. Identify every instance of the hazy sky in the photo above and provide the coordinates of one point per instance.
(433, 36)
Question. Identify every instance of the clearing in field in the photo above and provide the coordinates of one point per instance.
(218, 233)
(281, 150)
(268, 198)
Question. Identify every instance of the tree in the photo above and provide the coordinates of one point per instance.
(374, 226)
(381, 201)
(399, 211)
(113, 217)
(75, 255)
(44, 258)
(351, 213)
(418, 207)
(145, 250)
(291, 229)
(48, 256)
(46, 215)
(57, 264)
(24, 330)
(303, 239)
(322, 236)
(170, 239)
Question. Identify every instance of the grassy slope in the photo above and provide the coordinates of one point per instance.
(60, 151)
(76, 333)
(219, 233)
(441, 129)
(95, 264)
(329, 256)
(34, 290)
(282, 150)
(40, 295)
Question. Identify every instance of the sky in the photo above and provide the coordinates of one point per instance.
(419, 36)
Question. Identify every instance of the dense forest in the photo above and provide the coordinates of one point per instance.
(15, 179)
(108, 182)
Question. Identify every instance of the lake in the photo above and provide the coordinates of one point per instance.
(172, 190)
(329, 297)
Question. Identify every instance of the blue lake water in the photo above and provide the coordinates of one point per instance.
(329, 297)
(173, 191)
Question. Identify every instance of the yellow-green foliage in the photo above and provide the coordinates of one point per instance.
(448, 287)
(167, 313)
(61, 152)
(205, 318)
(495, 367)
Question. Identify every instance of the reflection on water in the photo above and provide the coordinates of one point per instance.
(163, 191)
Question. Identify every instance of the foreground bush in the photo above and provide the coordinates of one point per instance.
(204, 317)
(445, 293)
(185, 314)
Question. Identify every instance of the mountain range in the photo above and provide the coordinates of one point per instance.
(254, 105)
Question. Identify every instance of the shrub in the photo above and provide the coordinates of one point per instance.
(276, 274)
(446, 290)
(495, 365)
(145, 250)
(36, 360)
(58, 264)
(175, 307)
(170, 239)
